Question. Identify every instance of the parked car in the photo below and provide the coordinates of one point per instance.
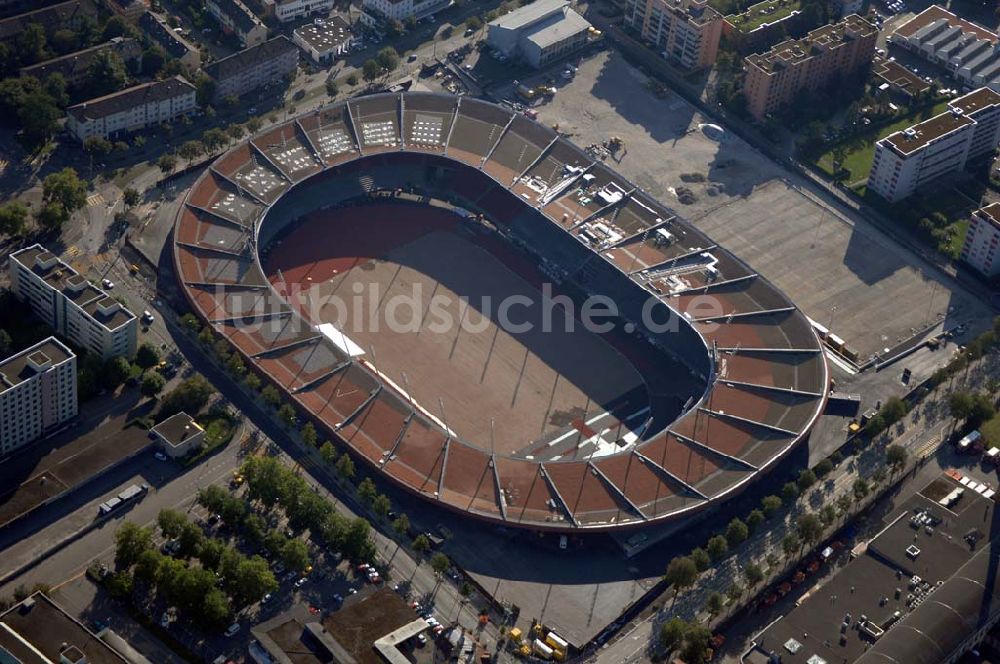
(233, 629)
(159, 456)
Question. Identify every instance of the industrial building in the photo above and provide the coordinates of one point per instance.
(685, 32)
(980, 249)
(774, 79)
(77, 310)
(37, 393)
(324, 40)
(539, 33)
(969, 51)
(132, 109)
(908, 159)
(254, 67)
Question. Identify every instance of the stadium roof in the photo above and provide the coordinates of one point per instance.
(770, 373)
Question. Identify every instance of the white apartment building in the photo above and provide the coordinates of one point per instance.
(37, 393)
(132, 109)
(982, 241)
(375, 12)
(76, 309)
(290, 10)
(907, 159)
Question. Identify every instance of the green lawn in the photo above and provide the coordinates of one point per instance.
(753, 18)
(861, 148)
(991, 432)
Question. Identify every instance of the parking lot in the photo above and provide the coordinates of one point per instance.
(843, 273)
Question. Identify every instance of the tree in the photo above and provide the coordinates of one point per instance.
(116, 27)
(13, 217)
(345, 466)
(131, 541)
(251, 580)
(190, 397)
(190, 539)
(388, 58)
(167, 162)
(371, 70)
(701, 558)
(147, 568)
(894, 410)
(106, 74)
(131, 197)
(809, 528)
(213, 139)
(328, 452)
(152, 384)
(29, 44)
(171, 522)
(366, 490)
(806, 479)
(789, 492)
(672, 633)
(860, 489)
(736, 532)
(235, 132)
(381, 505)
(753, 574)
(331, 87)
(190, 150)
(352, 79)
(828, 514)
(214, 609)
(147, 355)
(982, 410)
(696, 644)
(253, 125)
(401, 525)
(287, 415)
(473, 23)
(65, 189)
(212, 498)
(308, 434)
(714, 604)
(770, 505)
(754, 519)
(204, 90)
(270, 396)
(254, 528)
(896, 456)
(252, 382)
(295, 555)
(823, 468)
(421, 544)
(681, 573)
(440, 563)
(717, 548)
(39, 117)
(790, 544)
(153, 59)
(235, 365)
(115, 372)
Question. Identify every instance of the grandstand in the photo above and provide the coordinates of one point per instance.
(658, 424)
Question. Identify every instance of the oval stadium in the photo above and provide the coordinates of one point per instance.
(493, 319)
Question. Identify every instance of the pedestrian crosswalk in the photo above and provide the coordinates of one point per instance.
(928, 447)
(95, 199)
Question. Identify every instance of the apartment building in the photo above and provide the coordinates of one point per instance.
(170, 40)
(539, 33)
(969, 51)
(37, 393)
(378, 12)
(685, 32)
(291, 10)
(774, 79)
(132, 109)
(981, 249)
(254, 67)
(75, 67)
(907, 159)
(236, 18)
(76, 309)
(63, 16)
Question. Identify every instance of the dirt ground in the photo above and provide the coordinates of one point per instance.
(469, 339)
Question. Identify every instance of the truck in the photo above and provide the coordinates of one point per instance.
(131, 494)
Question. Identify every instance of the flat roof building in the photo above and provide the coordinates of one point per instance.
(685, 32)
(774, 79)
(77, 310)
(539, 33)
(254, 67)
(967, 50)
(899, 78)
(943, 144)
(132, 109)
(179, 435)
(75, 67)
(236, 18)
(37, 393)
(324, 40)
(980, 249)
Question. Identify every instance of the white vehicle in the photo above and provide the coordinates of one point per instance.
(147, 317)
(108, 284)
(160, 456)
(233, 629)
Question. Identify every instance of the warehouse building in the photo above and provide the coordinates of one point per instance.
(539, 33)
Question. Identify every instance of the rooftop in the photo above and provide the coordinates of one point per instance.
(555, 29)
(18, 368)
(825, 38)
(78, 62)
(158, 29)
(525, 16)
(116, 102)
(924, 133)
(47, 17)
(976, 101)
(176, 429)
(331, 34)
(250, 57)
(937, 13)
(990, 213)
(359, 624)
(40, 626)
(899, 76)
(244, 19)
